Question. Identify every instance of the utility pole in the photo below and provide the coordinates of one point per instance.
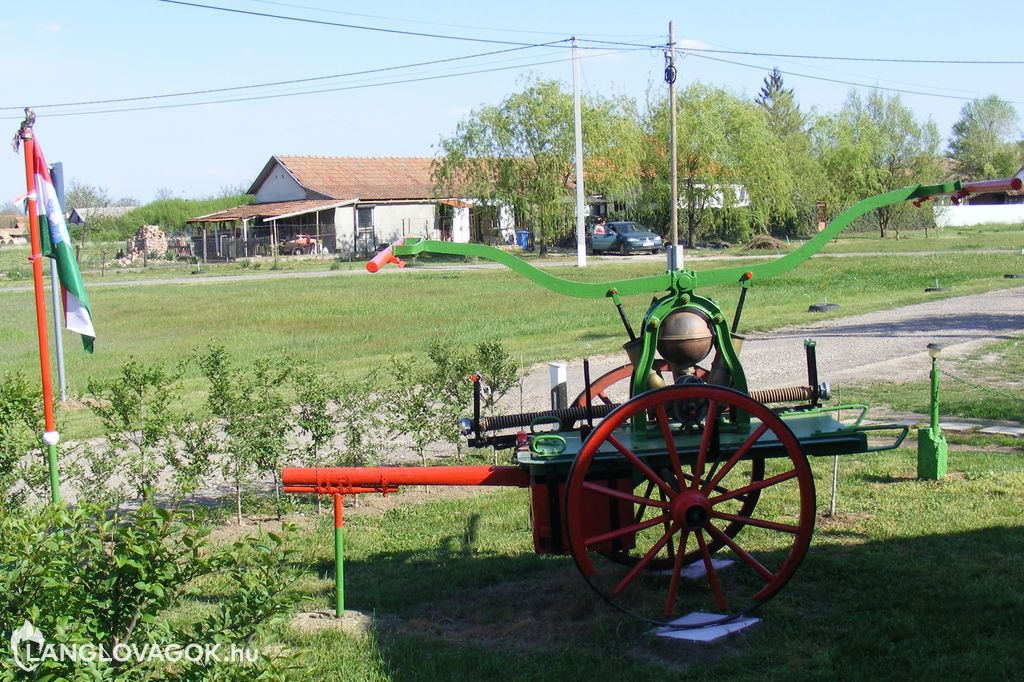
(670, 78)
(581, 237)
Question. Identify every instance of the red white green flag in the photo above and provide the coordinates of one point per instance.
(56, 243)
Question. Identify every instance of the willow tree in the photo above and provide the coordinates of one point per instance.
(520, 154)
(733, 175)
(985, 139)
(874, 145)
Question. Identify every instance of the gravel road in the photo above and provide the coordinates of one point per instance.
(889, 345)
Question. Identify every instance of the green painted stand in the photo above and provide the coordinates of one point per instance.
(339, 563)
(932, 449)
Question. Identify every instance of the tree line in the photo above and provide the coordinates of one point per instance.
(745, 166)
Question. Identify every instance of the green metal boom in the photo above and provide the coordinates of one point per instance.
(679, 281)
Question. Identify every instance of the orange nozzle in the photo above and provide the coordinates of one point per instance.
(383, 258)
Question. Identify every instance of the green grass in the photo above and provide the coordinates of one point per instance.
(351, 326)
(985, 384)
(909, 580)
(912, 580)
(986, 237)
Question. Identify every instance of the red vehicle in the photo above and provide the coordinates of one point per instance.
(299, 244)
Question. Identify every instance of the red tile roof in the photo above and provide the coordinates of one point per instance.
(364, 178)
(272, 210)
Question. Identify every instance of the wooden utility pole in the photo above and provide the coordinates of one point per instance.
(577, 108)
(670, 77)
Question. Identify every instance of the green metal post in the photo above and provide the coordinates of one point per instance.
(51, 461)
(932, 449)
(339, 563)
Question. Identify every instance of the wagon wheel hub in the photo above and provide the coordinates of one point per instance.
(691, 509)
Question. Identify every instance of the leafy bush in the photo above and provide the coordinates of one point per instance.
(145, 437)
(21, 454)
(252, 414)
(83, 577)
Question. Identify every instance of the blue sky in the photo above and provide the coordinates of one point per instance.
(68, 51)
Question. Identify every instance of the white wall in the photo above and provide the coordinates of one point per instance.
(962, 216)
(393, 221)
(344, 220)
(460, 225)
(279, 186)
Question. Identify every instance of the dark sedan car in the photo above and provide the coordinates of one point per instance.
(623, 237)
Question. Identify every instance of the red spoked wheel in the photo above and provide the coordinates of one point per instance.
(599, 387)
(691, 496)
(599, 392)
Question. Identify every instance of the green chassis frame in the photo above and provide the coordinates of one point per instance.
(680, 284)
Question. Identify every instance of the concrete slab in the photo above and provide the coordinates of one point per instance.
(1017, 431)
(958, 427)
(695, 571)
(692, 632)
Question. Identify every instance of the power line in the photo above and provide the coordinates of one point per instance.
(417, 21)
(889, 60)
(377, 29)
(837, 80)
(321, 22)
(307, 92)
(286, 82)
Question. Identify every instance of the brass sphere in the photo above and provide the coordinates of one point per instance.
(685, 337)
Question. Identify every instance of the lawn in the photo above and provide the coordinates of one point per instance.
(354, 325)
(909, 580)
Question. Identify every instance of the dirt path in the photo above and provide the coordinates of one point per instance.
(888, 345)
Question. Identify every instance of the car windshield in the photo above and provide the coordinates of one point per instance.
(627, 228)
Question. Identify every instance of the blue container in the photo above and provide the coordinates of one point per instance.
(523, 239)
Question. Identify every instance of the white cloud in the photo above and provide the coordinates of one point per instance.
(52, 28)
(692, 43)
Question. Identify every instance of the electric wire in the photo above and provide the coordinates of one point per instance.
(837, 80)
(285, 82)
(360, 27)
(884, 60)
(308, 92)
(421, 22)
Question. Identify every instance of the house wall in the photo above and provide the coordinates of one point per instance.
(460, 225)
(279, 186)
(963, 216)
(393, 221)
(344, 224)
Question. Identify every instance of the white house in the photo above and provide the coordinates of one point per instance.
(351, 204)
(990, 208)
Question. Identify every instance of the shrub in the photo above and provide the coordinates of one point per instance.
(83, 577)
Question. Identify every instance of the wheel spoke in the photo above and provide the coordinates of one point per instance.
(709, 568)
(760, 523)
(642, 466)
(640, 565)
(643, 507)
(670, 443)
(624, 530)
(705, 441)
(603, 397)
(677, 569)
(618, 494)
(736, 456)
(741, 553)
(756, 485)
(668, 527)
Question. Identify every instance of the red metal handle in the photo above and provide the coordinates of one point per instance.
(1000, 185)
(383, 258)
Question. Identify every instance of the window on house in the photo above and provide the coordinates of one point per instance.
(364, 217)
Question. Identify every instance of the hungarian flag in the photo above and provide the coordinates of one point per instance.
(56, 243)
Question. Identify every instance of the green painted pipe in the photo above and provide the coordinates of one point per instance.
(339, 558)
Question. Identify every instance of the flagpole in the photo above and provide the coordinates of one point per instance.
(50, 436)
(56, 302)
